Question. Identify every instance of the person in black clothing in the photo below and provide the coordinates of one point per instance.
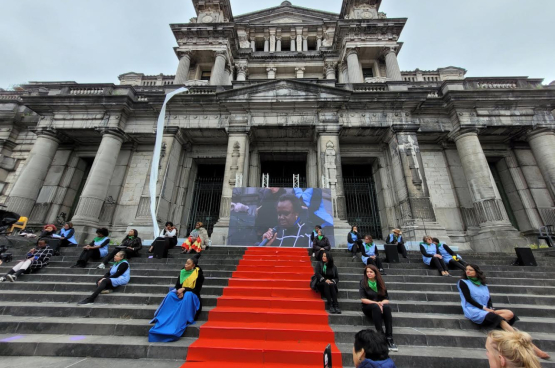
(118, 275)
(396, 238)
(314, 232)
(320, 244)
(47, 231)
(131, 245)
(375, 302)
(328, 278)
(431, 256)
(354, 241)
(97, 248)
(450, 258)
(166, 241)
(36, 259)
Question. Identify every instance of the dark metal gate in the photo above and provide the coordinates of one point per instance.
(207, 196)
(362, 205)
(281, 182)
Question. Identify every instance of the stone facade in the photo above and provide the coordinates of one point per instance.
(470, 160)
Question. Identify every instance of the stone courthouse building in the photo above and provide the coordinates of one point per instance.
(289, 93)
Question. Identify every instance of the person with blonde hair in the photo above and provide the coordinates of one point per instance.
(511, 349)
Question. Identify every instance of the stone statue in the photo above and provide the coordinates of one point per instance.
(329, 163)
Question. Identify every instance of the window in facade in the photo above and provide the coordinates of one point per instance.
(367, 73)
(205, 76)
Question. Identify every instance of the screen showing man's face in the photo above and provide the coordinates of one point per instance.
(286, 214)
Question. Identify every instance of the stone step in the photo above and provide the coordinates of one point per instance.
(81, 362)
(125, 347)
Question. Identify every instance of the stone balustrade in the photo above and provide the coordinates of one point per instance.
(375, 80)
(11, 97)
(502, 83)
(87, 91)
(370, 88)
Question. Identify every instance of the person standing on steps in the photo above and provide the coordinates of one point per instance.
(327, 279)
(370, 254)
(511, 349)
(131, 245)
(431, 256)
(118, 275)
(354, 241)
(375, 303)
(396, 238)
(478, 307)
(320, 245)
(197, 240)
(97, 249)
(181, 306)
(450, 258)
(371, 351)
(67, 235)
(36, 259)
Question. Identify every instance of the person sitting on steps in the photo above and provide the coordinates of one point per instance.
(197, 240)
(131, 245)
(97, 249)
(314, 232)
(320, 244)
(370, 254)
(511, 349)
(375, 303)
(36, 259)
(328, 278)
(478, 307)
(118, 275)
(370, 350)
(47, 231)
(354, 241)
(396, 238)
(67, 235)
(450, 258)
(166, 241)
(431, 256)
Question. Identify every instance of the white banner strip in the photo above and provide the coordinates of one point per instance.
(156, 158)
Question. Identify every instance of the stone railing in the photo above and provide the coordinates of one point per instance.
(11, 97)
(142, 98)
(433, 94)
(497, 85)
(87, 91)
(502, 83)
(370, 87)
(375, 80)
(196, 82)
(202, 90)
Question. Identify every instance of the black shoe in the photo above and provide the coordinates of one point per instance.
(86, 301)
(76, 265)
(391, 345)
(337, 310)
(333, 310)
(382, 272)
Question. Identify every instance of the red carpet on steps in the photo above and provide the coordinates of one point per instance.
(267, 316)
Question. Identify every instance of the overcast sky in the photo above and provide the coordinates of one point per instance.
(94, 41)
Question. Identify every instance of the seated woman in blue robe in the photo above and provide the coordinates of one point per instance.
(181, 306)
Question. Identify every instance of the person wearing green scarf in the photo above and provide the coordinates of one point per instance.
(375, 302)
(118, 275)
(96, 249)
(327, 278)
(320, 244)
(131, 244)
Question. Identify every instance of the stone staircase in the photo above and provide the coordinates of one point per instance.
(39, 316)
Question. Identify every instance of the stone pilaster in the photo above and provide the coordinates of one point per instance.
(254, 170)
(271, 73)
(353, 67)
(182, 74)
(496, 232)
(305, 43)
(392, 65)
(218, 72)
(299, 72)
(96, 188)
(236, 164)
(272, 40)
(278, 43)
(253, 43)
(299, 31)
(542, 142)
(329, 69)
(266, 44)
(292, 45)
(27, 187)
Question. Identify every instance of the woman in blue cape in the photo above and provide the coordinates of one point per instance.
(181, 306)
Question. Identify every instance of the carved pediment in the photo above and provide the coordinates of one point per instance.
(286, 14)
(287, 20)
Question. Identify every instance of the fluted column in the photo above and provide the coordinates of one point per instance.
(542, 142)
(392, 65)
(266, 44)
(218, 71)
(271, 73)
(182, 74)
(353, 67)
(305, 43)
(292, 46)
(96, 188)
(27, 187)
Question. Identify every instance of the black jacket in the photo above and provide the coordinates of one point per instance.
(134, 243)
(41, 257)
(363, 251)
(367, 293)
(350, 238)
(122, 267)
(196, 290)
(331, 273)
(319, 244)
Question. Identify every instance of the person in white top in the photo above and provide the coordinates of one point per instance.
(166, 240)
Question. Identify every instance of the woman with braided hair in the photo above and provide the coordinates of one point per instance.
(511, 349)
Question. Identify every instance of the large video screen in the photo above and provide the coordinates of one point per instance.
(279, 217)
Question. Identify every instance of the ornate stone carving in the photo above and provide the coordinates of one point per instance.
(234, 169)
(330, 165)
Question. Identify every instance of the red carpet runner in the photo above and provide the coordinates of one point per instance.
(267, 316)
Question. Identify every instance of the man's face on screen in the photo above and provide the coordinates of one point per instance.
(286, 214)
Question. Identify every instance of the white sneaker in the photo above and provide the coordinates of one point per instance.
(101, 266)
(12, 278)
(107, 291)
(313, 255)
(2, 279)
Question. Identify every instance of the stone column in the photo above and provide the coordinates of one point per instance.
(278, 44)
(353, 67)
(27, 187)
(236, 162)
(254, 170)
(312, 169)
(95, 189)
(253, 43)
(542, 142)
(299, 38)
(271, 73)
(241, 72)
(305, 43)
(182, 74)
(218, 71)
(343, 73)
(318, 42)
(329, 69)
(292, 46)
(266, 44)
(496, 232)
(227, 76)
(299, 72)
(392, 65)
(272, 40)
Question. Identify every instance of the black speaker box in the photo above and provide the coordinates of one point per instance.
(525, 257)
(391, 254)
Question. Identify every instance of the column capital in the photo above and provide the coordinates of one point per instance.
(300, 69)
(238, 124)
(49, 133)
(292, 36)
(389, 50)
(114, 132)
(351, 51)
(328, 129)
(271, 69)
(220, 53)
(242, 68)
(405, 128)
(185, 54)
(463, 132)
(538, 132)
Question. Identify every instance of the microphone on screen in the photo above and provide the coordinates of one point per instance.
(265, 241)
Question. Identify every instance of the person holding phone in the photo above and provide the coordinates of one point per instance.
(36, 259)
